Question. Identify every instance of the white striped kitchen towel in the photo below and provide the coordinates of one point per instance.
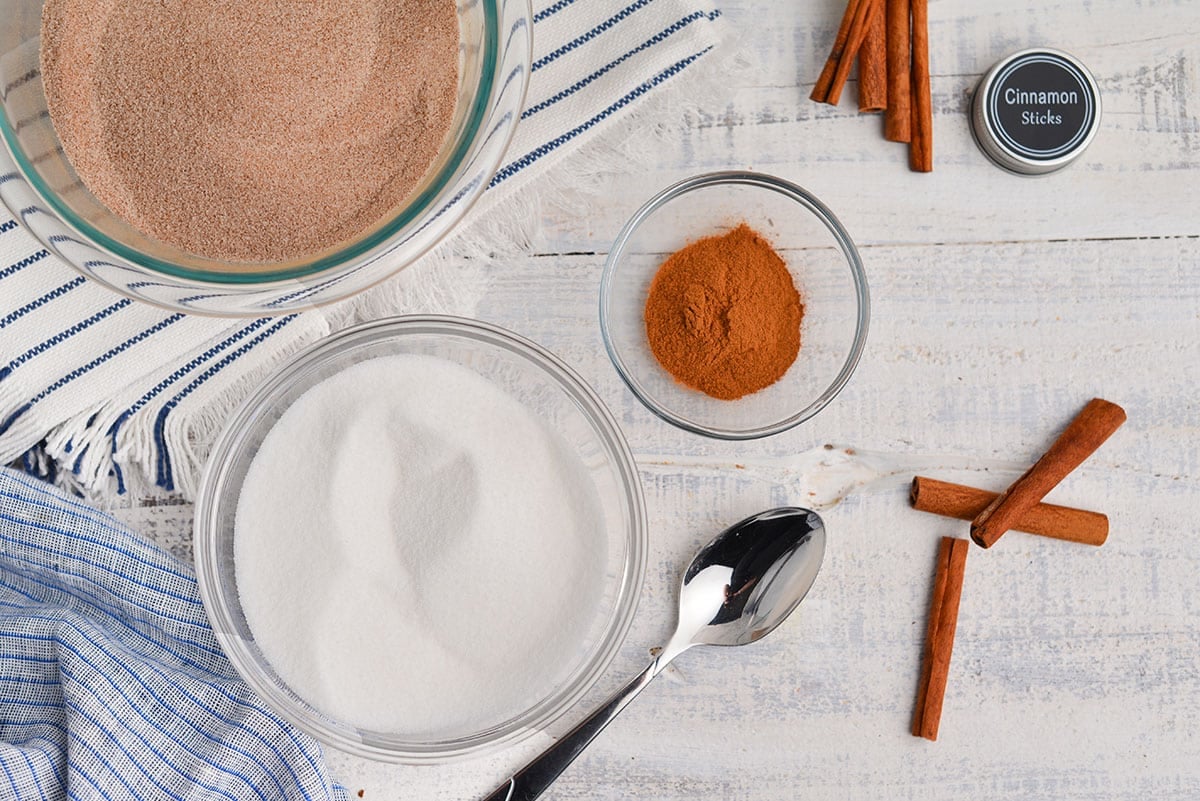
(112, 685)
(106, 394)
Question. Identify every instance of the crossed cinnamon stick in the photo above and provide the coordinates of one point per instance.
(991, 515)
(1087, 432)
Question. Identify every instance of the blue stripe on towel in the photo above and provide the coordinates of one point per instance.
(62, 336)
(111, 352)
(158, 388)
(589, 35)
(33, 773)
(33, 305)
(23, 263)
(79, 371)
(529, 158)
(653, 40)
(160, 573)
(551, 10)
(127, 725)
(164, 477)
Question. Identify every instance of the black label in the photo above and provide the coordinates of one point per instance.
(1041, 106)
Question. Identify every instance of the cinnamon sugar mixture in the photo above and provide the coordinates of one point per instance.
(260, 131)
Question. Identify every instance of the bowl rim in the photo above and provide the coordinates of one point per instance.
(346, 737)
(376, 244)
(805, 199)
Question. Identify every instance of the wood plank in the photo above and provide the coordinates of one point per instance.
(1142, 161)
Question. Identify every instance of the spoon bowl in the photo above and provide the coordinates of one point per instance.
(765, 565)
(737, 590)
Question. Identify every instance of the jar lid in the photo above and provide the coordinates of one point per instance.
(1035, 111)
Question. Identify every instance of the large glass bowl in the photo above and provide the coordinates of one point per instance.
(544, 385)
(42, 190)
(825, 268)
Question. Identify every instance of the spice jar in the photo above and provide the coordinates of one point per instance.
(1036, 111)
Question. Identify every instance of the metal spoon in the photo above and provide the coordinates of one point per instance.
(737, 590)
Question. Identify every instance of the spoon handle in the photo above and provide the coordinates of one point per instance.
(533, 779)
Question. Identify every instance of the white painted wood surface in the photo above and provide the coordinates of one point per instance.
(1001, 305)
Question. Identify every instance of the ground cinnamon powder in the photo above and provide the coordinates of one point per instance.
(723, 315)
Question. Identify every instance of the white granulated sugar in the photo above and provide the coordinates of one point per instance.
(415, 551)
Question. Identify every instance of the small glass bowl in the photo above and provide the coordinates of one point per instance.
(42, 190)
(544, 385)
(825, 267)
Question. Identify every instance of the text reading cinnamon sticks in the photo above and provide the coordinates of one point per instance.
(890, 40)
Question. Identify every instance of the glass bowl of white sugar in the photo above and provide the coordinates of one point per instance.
(421, 539)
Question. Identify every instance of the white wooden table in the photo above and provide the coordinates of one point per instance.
(1001, 305)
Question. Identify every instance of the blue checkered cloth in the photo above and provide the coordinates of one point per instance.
(112, 685)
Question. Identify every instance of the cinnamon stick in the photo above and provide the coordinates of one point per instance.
(897, 123)
(1087, 432)
(872, 62)
(921, 133)
(1045, 519)
(820, 92)
(939, 636)
(854, 40)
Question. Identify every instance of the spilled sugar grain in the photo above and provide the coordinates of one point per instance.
(416, 552)
(261, 131)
